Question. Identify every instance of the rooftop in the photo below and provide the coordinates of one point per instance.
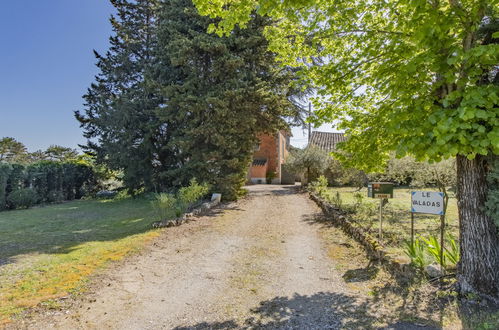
(325, 140)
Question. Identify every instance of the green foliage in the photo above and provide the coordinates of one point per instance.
(50, 182)
(434, 248)
(170, 205)
(12, 151)
(407, 171)
(311, 161)
(427, 250)
(319, 186)
(430, 63)
(451, 249)
(270, 176)
(60, 154)
(336, 200)
(221, 91)
(339, 175)
(106, 194)
(359, 199)
(165, 206)
(417, 253)
(120, 106)
(22, 198)
(5, 170)
(172, 102)
(189, 195)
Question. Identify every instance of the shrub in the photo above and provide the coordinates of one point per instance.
(319, 186)
(452, 249)
(311, 161)
(336, 200)
(417, 253)
(189, 195)
(339, 175)
(434, 248)
(271, 175)
(165, 205)
(359, 199)
(5, 171)
(16, 178)
(168, 205)
(407, 171)
(424, 248)
(22, 198)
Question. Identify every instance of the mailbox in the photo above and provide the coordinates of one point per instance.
(380, 190)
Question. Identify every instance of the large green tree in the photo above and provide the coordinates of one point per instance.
(119, 118)
(220, 93)
(416, 76)
(59, 153)
(12, 151)
(172, 102)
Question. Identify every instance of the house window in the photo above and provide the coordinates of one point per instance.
(257, 147)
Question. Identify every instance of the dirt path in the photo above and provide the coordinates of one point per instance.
(258, 264)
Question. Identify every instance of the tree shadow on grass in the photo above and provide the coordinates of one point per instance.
(63, 228)
(318, 311)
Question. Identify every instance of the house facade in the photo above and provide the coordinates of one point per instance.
(268, 157)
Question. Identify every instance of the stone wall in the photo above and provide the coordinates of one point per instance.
(339, 218)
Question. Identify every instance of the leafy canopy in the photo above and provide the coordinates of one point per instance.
(12, 150)
(416, 76)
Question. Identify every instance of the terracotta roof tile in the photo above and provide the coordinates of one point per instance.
(325, 140)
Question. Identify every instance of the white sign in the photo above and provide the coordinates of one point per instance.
(430, 202)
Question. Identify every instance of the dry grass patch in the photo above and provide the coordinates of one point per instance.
(47, 253)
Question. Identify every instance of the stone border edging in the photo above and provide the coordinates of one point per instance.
(185, 217)
(340, 219)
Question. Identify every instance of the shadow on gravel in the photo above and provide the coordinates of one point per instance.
(437, 299)
(318, 311)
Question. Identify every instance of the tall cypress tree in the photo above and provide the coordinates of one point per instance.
(172, 102)
(221, 92)
(119, 120)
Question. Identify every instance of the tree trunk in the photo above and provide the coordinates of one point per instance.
(478, 269)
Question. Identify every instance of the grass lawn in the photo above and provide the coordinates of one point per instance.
(48, 252)
(396, 217)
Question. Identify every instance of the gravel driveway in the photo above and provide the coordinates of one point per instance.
(259, 263)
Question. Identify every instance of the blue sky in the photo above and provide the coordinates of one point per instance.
(46, 65)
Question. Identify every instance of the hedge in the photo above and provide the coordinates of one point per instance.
(47, 180)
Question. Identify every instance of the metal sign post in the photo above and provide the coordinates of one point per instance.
(412, 229)
(380, 236)
(429, 202)
(442, 228)
(380, 190)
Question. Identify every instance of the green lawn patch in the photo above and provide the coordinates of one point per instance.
(396, 216)
(48, 252)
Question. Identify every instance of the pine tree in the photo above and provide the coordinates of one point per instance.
(173, 102)
(220, 93)
(119, 120)
(12, 151)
